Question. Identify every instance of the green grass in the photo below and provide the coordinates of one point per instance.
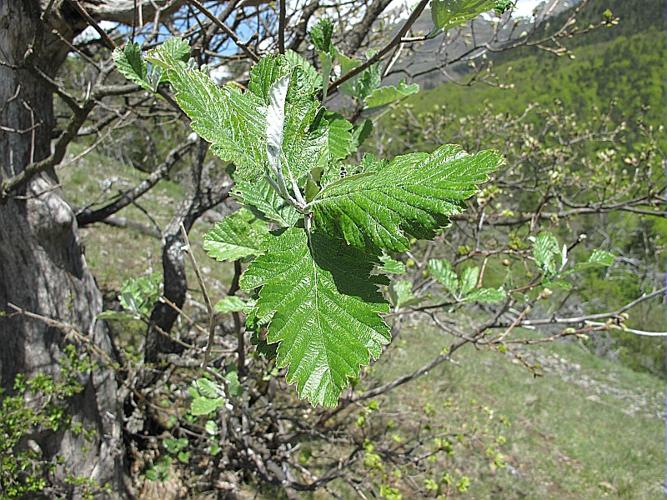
(587, 428)
(116, 254)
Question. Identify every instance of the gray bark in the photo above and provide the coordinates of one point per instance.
(42, 268)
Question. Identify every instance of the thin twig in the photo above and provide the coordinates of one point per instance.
(227, 30)
(384, 51)
(281, 25)
(207, 298)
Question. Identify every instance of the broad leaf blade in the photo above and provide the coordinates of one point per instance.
(486, 295)
(411, 196)
(236, 236)
(448, 14)
(233, 122)
(469, 279)
(342, 142)
(386, 95)
(261, 196)
(130, 63)
(599, 258)
(443, 273)
(545, 252)
(324, 308)
(231, 304)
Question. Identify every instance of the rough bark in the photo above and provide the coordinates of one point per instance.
(42, 268)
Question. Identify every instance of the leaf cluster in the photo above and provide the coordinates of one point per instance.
(314, 227)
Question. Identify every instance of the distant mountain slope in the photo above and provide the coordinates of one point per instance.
(629, 69)
(636, 17)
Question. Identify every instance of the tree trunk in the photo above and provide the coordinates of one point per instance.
(42, 268)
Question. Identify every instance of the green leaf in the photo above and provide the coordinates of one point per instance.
(545, 251)
(448, 14)
(236, 236)
(342, 142)
(267, 202)
(311, 79)
(442, 272)
(469, 280)
(486, 295)
(173, 446)
(211, 427)
(363, 84)
(599, 258)
(503, 6)
(411, 196)
(234, 387)
(208, 389)
(205, 406)
(230, 304)
(130, 63)
(386, 95)
(173, 49)
(391, 266)
(139, 295)
(263, 75)
(401, 294)
(295, 142)
(362, 132)
(321, 35)
(232, 121)
(324, 308)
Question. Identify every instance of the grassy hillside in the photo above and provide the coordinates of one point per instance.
(629, 69)
(586, 428)
(116, 254)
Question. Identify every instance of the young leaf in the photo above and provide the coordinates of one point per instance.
(138, 295)
(230, 304)
(391, 266)
(486, 295)
(401, 294)
(448, 14)
(324, 308)
(342, 142)
(599, 258)
(261, 196)
(275, 123)
(321, 35)
(387, 95)
(173, 49)
(130, 63)
(234, 123)
(205, 406)
(469, 280)
(443, 273)
(207, 388)
(311, 79)
(545, 250)
(363, 84)
(236, 236)
(233, 384)
(411, 196)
